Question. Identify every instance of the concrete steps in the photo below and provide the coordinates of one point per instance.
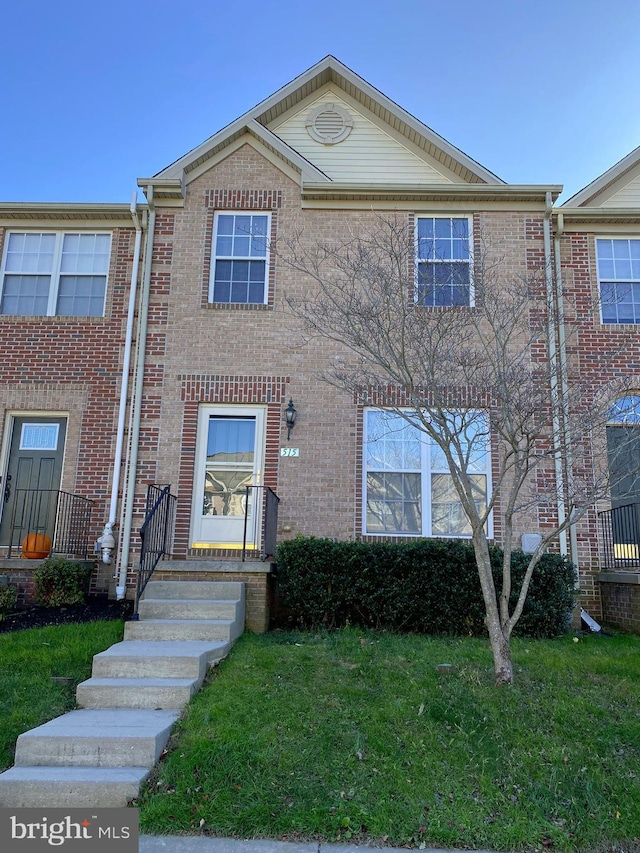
(100, 754)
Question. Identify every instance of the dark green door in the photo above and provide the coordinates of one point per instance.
(31, 482)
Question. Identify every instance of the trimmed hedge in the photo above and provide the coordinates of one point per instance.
(427, 586)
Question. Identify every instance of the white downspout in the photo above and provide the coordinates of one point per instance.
(553, 360)
(136, 403)
(107, 540)
(564, 384)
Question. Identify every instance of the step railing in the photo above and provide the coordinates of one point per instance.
(269, 531)
(620, 537)
(156, 535)
(61, 517)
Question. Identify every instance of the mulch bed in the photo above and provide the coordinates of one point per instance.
(94, 609)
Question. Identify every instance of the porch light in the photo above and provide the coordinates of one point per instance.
(290, 415)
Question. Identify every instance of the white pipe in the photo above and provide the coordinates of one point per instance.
(564, 385)
(107, 540)
(136, 403)
(553, 360)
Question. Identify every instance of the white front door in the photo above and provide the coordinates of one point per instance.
(229, 457)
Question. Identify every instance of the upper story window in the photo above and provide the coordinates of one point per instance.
(49, 274)
(619, 280)
(408, 489)
(240, 268)
(444, 276)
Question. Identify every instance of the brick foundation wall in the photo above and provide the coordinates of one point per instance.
(621, 601)
(258, 591)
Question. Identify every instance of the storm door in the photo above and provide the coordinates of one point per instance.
(30, 484)
(229, 458)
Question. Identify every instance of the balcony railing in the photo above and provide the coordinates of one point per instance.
(61, 517)
(269, 532)
(620, 537)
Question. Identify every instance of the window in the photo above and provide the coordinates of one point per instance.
(240, 265)
(407, 486)
(619, 280)
(55, 274)
(443, 261)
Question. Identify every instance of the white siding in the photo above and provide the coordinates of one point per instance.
(628, 196)
(367, 155)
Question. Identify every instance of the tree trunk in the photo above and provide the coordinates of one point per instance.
(499, 640)
(502, 664)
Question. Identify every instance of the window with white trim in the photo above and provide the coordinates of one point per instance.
(619, 280)
(408, 490)
(443, 263)
(240, 263)
(55, 273)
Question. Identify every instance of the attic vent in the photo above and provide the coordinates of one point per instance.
(329, 124)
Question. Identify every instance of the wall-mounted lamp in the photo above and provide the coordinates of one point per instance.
(290, 415)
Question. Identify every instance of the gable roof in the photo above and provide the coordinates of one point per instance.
(328, 70)
(608, 190)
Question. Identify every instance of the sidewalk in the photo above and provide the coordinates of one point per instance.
(200, 844)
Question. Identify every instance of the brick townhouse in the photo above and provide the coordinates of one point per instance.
(151, 344)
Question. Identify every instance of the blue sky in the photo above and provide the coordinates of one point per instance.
(97, 95)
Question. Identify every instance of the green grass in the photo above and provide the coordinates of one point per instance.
(356, 736)
(28, 660)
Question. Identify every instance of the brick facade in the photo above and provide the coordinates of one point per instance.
(72, 367)
(201, 354)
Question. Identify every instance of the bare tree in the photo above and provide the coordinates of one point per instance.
(467, 359)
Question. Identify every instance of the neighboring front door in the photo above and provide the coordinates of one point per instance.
(32, 478)
(229, 458)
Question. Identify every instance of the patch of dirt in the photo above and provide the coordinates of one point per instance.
(94, 609)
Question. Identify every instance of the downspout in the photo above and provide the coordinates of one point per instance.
(564, 385)
(136, 403)
(107, 540)
(553, 360)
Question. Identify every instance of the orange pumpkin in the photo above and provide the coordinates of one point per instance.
(36, 546)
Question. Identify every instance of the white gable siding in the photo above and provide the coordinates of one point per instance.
(368, 155)
(628, 196)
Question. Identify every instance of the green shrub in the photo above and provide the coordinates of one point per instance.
(60, 582)
(430, 586)
(8, 598)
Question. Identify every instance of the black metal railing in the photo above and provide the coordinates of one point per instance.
(156, 534)
(59, 521)
(620, 537)
(269, 531)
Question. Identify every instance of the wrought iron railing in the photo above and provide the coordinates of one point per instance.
(620, 537)
(156, 534)
(59, 521)
(269, 515)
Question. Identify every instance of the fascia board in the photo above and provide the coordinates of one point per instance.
(12, 212)
(504, 192)
(581, 216)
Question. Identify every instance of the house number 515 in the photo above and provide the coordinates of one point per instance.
(289, 451)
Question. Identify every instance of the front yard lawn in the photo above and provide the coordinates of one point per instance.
(357, 736)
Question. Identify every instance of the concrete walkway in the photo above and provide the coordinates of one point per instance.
(199, 844)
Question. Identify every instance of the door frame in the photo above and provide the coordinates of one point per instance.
(7, 436)
(205, 410)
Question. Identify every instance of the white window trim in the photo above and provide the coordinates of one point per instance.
(55, 271)
(214, 256)
(418, 260)
(425, 488)
(612, 237)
